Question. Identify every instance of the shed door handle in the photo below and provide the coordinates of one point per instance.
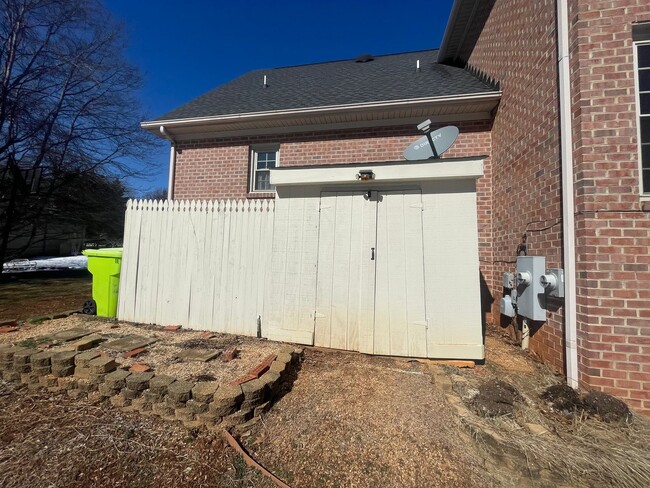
(372, 254)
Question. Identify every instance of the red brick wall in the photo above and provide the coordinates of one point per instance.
(517, 48)
(613, 230)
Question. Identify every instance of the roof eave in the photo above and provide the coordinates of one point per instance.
(348, 111)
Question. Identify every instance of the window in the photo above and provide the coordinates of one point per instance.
(641, 34)
(263, 159)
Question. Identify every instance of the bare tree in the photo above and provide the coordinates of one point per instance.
(68, 102)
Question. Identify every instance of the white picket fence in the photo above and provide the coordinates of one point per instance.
(202, 265)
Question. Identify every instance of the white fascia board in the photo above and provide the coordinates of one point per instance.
(494, 95)
(439, 169)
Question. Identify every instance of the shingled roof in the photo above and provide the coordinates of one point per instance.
(385, 78)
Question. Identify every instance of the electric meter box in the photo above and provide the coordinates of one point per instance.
(531, 299)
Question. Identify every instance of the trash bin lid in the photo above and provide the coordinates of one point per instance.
(107, 252)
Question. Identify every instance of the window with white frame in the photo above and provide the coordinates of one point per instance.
(263, 159)
(641, 36)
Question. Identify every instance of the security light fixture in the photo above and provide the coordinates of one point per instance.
(365, 175)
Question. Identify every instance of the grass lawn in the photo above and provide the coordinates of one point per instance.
(26, 295)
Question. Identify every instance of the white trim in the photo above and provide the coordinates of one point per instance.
(644, 193)
(383, 172)
(254, 150)
(568, 201)
(361, 124)
(494, 95)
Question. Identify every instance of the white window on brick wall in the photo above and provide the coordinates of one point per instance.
(263, 159)
(641, 35)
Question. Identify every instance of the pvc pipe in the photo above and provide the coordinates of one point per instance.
(525, 334)
(568, 203)
(172, 162)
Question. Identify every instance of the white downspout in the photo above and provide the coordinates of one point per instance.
(568, 203)
(172, 162)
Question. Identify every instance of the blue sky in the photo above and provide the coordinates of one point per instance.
(186, 48)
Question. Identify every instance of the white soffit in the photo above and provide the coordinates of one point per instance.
(461, 107)
(439, 169)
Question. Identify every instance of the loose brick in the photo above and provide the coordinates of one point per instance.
(88, 342)
(130, 394)
(180, 391)
(152, 397)
(184, 414)
(243, 379)
(41, 359)
(279, 367)
(254, 390)
(102, 365)
(284, 358)
(61, 371)
(160, 383)
(272, 381)
(172, 328)
(24, 356)
(83, 373)
(138, 381)
(140, 368)
(162, 409)
(204, 391)
(63, 359)
(106, 390)
(42, 370)
(87, 385)
(229, 354)
(134, 352)
(116, 379)
(82, 359)
(263, 367)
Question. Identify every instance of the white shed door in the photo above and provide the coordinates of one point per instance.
(370, 277)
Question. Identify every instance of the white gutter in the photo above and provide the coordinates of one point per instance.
(172, 162)
(494, 95)
(568, 203)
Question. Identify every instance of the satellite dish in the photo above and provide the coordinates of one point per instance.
(433, 144)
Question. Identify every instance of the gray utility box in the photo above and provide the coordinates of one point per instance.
(531, 300)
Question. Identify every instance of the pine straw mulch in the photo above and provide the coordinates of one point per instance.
(51, 441)
(578, 450)
(356, 420)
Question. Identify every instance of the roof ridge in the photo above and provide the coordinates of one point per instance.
(432, 50)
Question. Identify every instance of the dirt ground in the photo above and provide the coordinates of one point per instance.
(52, 441)
(355, 420)
(349, 420)
(27, 295)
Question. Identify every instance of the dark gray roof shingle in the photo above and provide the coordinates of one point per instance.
(386, 78)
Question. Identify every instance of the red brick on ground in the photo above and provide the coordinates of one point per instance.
(6, 329)
(140, 368)
(263, 367)
(134, 352)
(229, 354)
(172, 328)
(243, 379)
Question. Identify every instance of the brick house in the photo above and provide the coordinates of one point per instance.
(532, 109)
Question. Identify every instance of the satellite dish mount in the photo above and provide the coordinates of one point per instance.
(426, 128)
(433, 144)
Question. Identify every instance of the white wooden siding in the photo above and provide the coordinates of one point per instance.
(203, 265)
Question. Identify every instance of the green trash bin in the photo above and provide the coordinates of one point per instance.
(104, 264)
